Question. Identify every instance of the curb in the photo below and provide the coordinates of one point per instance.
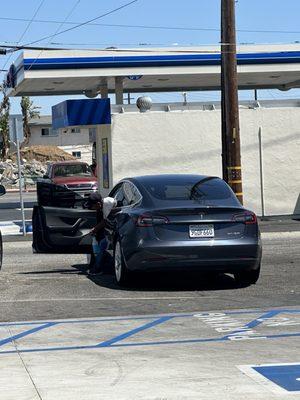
(283, 235)
(17, 191)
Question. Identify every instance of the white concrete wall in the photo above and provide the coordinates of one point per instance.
(190, 142)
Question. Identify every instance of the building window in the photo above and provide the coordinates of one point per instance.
(76, 154)
(49, 132)
(75, 130)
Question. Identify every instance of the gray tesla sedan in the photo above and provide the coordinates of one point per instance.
(182, 222)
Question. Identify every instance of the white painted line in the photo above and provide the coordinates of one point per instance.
(105, 298)
(8, 228)
(13, 222)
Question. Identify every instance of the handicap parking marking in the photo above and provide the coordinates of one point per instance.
(31, 331)
(279, 378)
(134, 331)
(156, 330)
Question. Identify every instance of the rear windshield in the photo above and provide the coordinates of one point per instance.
(208, 191)
(72, 170)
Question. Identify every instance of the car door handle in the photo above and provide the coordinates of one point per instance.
(69, 229)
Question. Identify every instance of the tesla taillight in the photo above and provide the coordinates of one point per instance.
(145, 220)
(246, 217)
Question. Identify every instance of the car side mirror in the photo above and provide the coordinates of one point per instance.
(2, 190)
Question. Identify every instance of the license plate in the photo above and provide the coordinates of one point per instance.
(197, 231)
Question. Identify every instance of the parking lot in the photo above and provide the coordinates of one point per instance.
(66, 335)
(179, 356)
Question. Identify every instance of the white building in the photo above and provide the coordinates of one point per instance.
(75, 141)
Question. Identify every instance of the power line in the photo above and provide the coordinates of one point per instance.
(57, 30)
(26, 29)
(162, 27)
(14, 48)
(83, 23)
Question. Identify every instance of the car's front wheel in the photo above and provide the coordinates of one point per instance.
(122, 274)
(246, 278)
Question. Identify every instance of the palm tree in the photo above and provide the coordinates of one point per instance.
(29, 111)
(4, 122)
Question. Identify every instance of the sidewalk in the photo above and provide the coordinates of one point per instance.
(279, 224)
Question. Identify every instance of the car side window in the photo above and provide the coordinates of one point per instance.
(120, 197)
(126, 194)
(131, 193)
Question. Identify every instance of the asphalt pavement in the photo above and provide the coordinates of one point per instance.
(10, 207)
(56, 286)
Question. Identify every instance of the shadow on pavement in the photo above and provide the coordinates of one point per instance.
(80, 269)
(179, 281)
(154, 281)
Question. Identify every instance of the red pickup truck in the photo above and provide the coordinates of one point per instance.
(73, 175)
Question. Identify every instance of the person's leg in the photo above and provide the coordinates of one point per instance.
(91, 259)
(102, 245)
(95, 252)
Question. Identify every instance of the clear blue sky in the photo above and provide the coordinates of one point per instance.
(254, 15)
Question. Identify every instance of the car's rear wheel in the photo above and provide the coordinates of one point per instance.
(122, 274)
(246, 278)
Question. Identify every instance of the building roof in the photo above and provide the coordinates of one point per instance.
(43, 120)
(63, 72)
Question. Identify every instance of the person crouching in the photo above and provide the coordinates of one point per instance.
(103, 207)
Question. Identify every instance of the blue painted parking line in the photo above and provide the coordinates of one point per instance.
(244, 332)
(259, 320)
(26, 333)
(134, 331)
(144, 317)
(88, 321)
(253, 324)
(137, 344)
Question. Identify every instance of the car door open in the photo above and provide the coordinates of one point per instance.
(60, 223)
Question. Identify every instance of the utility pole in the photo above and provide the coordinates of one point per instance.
(223, 103)
(231, 152)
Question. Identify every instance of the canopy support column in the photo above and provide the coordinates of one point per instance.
(119, 89)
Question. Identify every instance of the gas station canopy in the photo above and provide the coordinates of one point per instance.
(67, 72)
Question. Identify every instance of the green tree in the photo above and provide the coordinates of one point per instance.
(29, 111)
(4, 122)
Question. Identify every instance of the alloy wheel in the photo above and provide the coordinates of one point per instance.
(118, 262)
